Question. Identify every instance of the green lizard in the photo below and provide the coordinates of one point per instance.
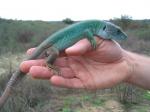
(63, 39)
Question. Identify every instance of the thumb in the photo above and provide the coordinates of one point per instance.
(79, 48)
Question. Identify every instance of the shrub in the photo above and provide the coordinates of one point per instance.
(68, 21)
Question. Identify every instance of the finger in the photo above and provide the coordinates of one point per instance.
(65, 82)
(40, 72)
(46, 73)
(30, 51)
(79, 48)
(26, 65)
(82, 47)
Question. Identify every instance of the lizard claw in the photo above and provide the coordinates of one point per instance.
(54, 69)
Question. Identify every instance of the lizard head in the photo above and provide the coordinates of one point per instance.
(111, 31)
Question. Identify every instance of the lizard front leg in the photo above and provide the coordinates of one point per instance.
(54, 53)
(89, 35)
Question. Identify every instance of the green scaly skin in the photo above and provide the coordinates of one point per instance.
(63, 39)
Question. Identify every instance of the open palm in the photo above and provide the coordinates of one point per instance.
(83, 67)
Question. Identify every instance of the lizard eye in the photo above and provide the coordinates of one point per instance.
(118, 31)
(104, 27)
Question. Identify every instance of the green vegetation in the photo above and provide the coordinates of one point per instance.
(20, 35)
(147, 95)
(68, 21)
(39, 96)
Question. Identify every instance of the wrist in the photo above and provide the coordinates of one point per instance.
(139, 74)
(130, 60)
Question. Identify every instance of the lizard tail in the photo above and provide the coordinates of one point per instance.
(7, 92)
(18, 75)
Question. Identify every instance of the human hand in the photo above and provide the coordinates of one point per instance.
(83, 67)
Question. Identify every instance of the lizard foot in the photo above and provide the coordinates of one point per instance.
(54, 69)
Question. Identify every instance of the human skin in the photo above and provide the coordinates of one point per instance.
(83, 67)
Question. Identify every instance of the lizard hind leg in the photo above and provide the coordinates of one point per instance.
(51, 59)
(89, 35)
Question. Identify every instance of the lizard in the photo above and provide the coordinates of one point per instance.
(64, 38)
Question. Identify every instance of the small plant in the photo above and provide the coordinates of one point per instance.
(98, 102)
(144, 34)
(66, 110)
(68, 21)
(94, 100)
(147, 95)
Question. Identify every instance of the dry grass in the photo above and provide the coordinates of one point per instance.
(39, 96)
